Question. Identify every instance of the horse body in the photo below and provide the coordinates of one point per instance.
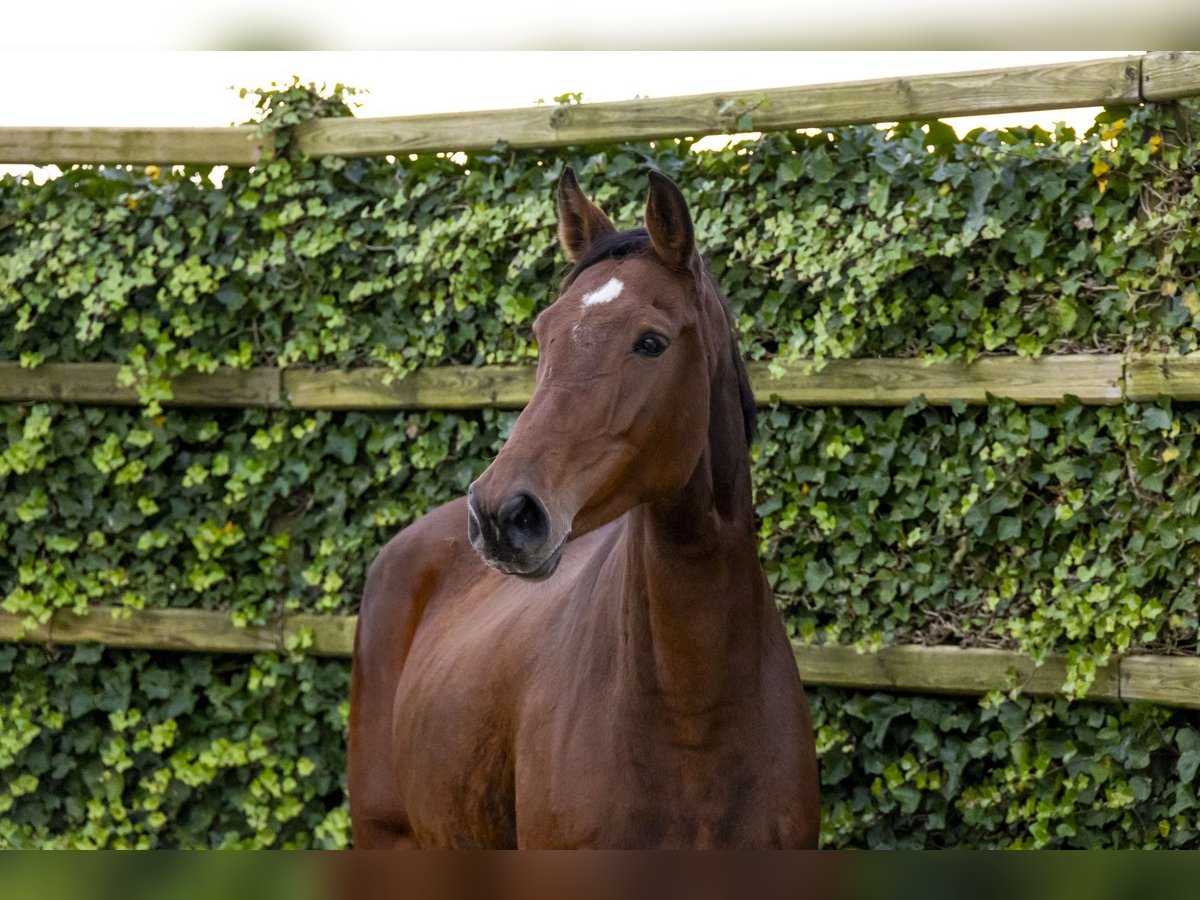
(584, 652)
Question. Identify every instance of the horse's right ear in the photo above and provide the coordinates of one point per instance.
(580, 222)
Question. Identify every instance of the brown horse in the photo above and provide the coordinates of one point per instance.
(584, 651)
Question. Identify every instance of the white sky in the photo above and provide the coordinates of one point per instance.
(191, 88)
(602, 24)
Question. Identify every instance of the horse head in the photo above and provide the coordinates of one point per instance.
(619, 417)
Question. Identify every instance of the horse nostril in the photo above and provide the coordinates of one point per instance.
(473, 530)
(475, 520)
(523, 522)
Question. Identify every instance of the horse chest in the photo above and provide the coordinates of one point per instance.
(453, 741)
(494, 751)
(631, 787)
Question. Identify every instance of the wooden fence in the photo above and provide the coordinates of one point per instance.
(1099, 379)
(1132, 79)
(1094, 379)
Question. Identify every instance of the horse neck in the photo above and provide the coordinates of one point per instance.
(713, 515)
(695, 604)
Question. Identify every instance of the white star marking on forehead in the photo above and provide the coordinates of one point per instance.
(611, 291)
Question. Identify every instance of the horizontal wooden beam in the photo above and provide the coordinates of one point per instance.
(442, 387)
(1169, 75)
(1165, 680)
(96, 383)
(320, 635)
(1094, 379)
(1056, 86)
(1177, 377)
(14, 629)
(944, 670)
(201, 630)
(236, 146)
(893, 382)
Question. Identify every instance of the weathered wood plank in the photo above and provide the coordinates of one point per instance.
(856, 382)
(894, 382)
(97, 383)
(236, 146)
(443, 387)
(1166, 680)
(64, 383)
(331, 635)
(942, 670)
(208, 631)
(1058, 86)
(1169, 75)
(1148, 377)
(13, 629)
(228, 387)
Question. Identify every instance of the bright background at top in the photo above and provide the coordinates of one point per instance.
(596, 25)
(149, 88)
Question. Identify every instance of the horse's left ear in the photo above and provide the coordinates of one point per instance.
(669, 223)
(580, 222)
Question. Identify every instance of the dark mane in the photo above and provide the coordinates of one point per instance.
(621, 244)
(617, 245)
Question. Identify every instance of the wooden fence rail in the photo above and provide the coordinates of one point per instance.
(1094, 379)
(1166, 680)
(231, 146)
(1155, 76)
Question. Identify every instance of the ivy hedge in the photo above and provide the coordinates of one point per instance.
(105, 748)
(1048, 529)
(849, 242)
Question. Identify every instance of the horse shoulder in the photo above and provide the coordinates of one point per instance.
(402, 581)
(406, 573)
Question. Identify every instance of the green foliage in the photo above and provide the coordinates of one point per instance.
(1003, 525)
(1057, 529)
(284, 106)
(852, 242)
(924, 772)
(135, 750)
(251, 511)
(1049, 529)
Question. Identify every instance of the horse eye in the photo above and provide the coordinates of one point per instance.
(650, 344)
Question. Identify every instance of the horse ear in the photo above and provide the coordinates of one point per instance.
(580, 222)
(669, 223)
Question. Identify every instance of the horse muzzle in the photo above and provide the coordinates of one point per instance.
(515, 537)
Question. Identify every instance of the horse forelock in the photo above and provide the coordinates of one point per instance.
(616, 245)
(619, 245)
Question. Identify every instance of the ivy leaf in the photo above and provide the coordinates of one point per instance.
(816, 574)
(941, 137)
(342, 447)
(232, 297)
(982, 182)
(1156, 418)
(792, 168)
(1009, 527)
(1188, 741)
(821, 168)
